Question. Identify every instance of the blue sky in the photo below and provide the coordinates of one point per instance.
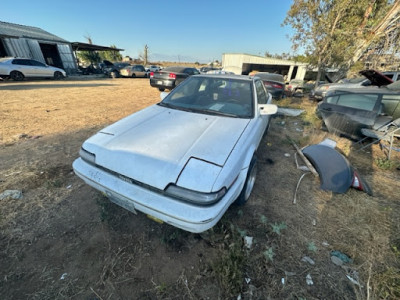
(174, 30)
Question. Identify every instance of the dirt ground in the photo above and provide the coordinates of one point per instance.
(64, 240)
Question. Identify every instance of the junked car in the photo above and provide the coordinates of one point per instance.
(185, 160)
(368, 78)
(170, 77)
(19, 68)
(346, 111)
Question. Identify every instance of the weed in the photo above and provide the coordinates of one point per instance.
(54, 184)
(312, 247)
(263, 220)
(384, 163)
(276, 228)
(388, 284)
(269, 254)
(228, 269)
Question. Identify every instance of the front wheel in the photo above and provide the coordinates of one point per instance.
(17, 76)
(249, 184)
(133, 75)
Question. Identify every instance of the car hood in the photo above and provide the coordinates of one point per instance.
(154, 145)
(376, 78)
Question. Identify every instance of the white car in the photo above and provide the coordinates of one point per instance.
(184, 160)
(19, 68)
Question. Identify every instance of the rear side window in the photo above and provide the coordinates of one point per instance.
(391, 105)
(364, 102)
(22, 62)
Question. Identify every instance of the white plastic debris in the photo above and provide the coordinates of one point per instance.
(248, 241)
(283, 281)
(11, 194)
(63, 276)
(68, 187)
(309, 280)
(308, 259)
(287, 154)
(291, 112)
(247, 280)
(353, 280)
(329, 143)
(325, 244)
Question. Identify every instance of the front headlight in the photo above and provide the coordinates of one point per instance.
(194, 196)
(87, 156)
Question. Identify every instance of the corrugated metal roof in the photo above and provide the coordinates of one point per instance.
(22, 31)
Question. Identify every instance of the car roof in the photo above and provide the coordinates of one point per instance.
(269, 76)
(227, 76)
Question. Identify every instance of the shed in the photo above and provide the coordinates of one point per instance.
(241, 63)
(33, 42)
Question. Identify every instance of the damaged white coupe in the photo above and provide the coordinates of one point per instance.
(184, 160)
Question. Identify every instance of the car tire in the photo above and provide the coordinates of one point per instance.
(113, 74)
(17, 76)
(249, 183)
(133, 75)
(58, 75)
(161, 89)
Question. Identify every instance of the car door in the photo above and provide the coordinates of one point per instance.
(345, 114)
(40, 69)
(261, 120)
(24, 66)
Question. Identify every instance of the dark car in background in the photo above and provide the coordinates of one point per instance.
(346, 111)
(113, 69)
(170, 77)
(274, 83)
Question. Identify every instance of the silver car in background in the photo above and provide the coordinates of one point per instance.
(20, 68)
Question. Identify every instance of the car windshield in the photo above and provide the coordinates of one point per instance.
(212, 95)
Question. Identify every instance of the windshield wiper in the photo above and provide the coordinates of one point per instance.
(218, 113)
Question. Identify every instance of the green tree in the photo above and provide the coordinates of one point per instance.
(340, 32)
(89, 57)
(111, 55)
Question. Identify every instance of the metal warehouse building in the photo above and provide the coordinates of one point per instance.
(245, 63)
(32, 42)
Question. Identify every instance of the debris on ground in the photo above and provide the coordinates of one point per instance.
(291, 112)
(11, 194)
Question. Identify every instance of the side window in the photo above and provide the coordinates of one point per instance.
(366, 83)
(22, 62)
(364, 102)
(332, 99)
(261, 93)
(390, 103)
(37, 63)
(195, 72)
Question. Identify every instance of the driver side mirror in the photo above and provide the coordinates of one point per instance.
(267, 109)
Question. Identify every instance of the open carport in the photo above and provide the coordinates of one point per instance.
(245, 63)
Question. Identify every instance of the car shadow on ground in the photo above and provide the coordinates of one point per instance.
(35, 86)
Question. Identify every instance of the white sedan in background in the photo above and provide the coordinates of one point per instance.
(19, 68)
(184, 160)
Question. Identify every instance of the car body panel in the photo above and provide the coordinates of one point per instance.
(136, 160)
(336, 173)
(155, 150)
